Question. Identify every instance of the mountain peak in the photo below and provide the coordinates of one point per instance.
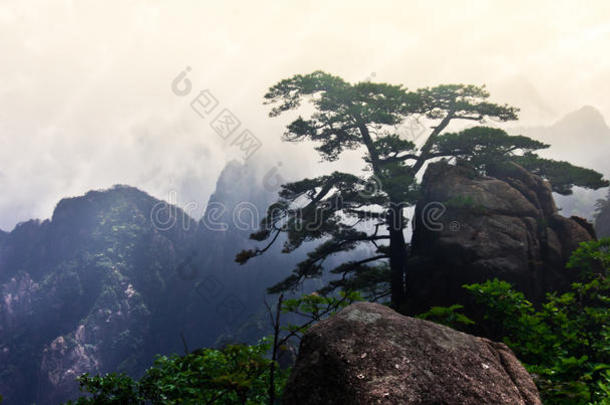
(234, 171)
(235, 182)
(97, 199)
(588, 116)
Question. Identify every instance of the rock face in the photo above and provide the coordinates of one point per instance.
(369, 354)
(506, 226)
(117, 276)
(83, 292)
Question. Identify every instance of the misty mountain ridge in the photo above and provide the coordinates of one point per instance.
(520, 91)
(117, 276)
(586, 114)
(581, 137)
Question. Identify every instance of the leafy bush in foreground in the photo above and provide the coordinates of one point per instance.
(564, 344)
(237, 374)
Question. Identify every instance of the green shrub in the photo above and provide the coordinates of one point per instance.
(238, 374)
(564, 344)
(449, 316)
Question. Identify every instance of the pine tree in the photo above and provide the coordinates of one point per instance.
(367, 116)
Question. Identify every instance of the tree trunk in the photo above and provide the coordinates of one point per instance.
(398, 256)
(395, 222)
(276, 335)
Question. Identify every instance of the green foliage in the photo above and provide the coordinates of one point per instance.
(562, 175)
(360, 116)
(449, 316)
(370, 280)
(336, 102)
(487, 149)
(315, 307)
(464, 101)
(237, 374)
(367, 116)
(591, 256)
(83, 261)
(565, 343)
(481, 146)
(604, 389)
(109, 389)
(467, 203)
(460, 201)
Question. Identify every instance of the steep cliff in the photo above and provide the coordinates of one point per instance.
(117, 276)
(469, 228)
(80, 292)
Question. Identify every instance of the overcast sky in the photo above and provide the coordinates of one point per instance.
(86, 99)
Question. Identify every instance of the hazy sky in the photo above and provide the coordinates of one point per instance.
(86, 99)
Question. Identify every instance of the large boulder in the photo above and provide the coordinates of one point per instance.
(369, 354)
(470, 228)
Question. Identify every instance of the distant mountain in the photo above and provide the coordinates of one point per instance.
(519, 91)
(117, 276)
(234, 293)
(83, 292)
(582, 138)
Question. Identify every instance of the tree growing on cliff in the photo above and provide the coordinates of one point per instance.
(236, 374)
(344, 210)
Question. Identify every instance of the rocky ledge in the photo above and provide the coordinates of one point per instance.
(370, 354)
